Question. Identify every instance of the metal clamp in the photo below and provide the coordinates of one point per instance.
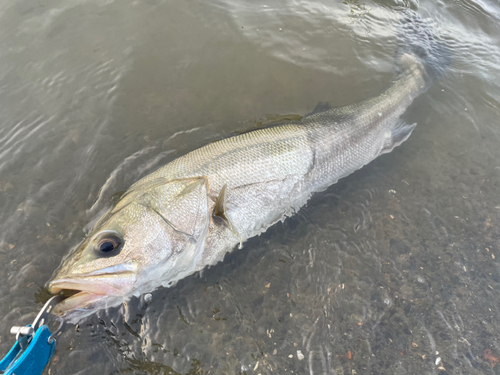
(45, 312)
(35, 344)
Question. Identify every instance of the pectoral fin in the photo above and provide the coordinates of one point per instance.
(220, 204)
(398, 134)
(220, 211)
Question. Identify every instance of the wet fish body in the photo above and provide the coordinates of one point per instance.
(190, 213)
(268, 174)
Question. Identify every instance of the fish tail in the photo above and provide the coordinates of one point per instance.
(417, 44)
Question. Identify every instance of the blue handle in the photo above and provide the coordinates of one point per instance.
(33, 359)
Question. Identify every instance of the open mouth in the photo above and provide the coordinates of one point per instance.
(84, 290)
(81, 293)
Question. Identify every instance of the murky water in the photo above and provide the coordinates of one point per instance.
(394, 270)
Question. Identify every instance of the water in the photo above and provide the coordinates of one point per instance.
(394, 270)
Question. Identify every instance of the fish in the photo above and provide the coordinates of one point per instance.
(190, 213)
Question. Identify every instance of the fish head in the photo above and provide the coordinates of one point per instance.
(155, 235)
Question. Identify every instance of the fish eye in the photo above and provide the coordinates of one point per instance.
(108, 243)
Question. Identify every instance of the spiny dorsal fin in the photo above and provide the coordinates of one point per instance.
(220, 211)
(320, 107)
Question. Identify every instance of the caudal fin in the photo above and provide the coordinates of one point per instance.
(417, 39)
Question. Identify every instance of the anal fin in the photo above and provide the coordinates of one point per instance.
(220, 211)
(399, 133)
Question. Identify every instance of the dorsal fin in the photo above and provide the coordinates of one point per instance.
(320, 107)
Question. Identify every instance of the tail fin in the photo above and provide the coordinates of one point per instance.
(417, 39)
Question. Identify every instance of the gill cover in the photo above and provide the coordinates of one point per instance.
(180, 203)
(155, 234)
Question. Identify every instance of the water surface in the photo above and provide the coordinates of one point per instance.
(394, 270)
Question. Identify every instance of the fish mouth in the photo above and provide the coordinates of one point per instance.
(81, 293)
(86, 292)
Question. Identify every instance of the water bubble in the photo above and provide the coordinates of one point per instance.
(387, 301)
(420, 280)
(148, 298)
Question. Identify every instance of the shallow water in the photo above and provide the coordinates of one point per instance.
(394, 270)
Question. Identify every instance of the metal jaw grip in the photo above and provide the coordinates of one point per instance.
(35, 344)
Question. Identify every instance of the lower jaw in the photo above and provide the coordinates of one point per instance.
(80, 300)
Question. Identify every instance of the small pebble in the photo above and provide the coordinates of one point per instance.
(300, 356)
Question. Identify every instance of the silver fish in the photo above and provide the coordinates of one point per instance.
(190, 213)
